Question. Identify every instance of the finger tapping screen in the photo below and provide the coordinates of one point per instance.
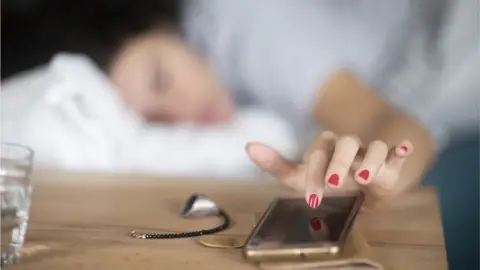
(292, 222)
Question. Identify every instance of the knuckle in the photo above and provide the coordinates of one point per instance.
(349, 141)
(341, 164)
(379, 147)
(319, 156)
(379, 144)
(328, 135)
(322, 155)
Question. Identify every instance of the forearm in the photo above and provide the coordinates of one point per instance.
(348, 106)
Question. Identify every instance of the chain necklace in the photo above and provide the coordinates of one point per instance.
(197, 205)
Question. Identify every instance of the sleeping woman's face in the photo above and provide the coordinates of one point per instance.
(160, 78)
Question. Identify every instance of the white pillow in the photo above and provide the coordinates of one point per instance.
(71, 115)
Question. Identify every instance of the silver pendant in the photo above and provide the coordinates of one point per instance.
(199, 206)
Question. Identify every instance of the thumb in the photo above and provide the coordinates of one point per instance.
(269, 160)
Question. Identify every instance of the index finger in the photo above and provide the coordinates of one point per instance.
(272, 162)
(269, 159)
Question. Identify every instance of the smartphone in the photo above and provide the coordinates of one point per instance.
(290, 230)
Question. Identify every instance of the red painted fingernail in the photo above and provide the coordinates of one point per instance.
(334, 179)
(364, 174)
(316, 224)
(404, 148)
(313, 201)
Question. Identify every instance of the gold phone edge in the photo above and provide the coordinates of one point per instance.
(293, 254)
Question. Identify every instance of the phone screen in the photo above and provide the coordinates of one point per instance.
(291, 222)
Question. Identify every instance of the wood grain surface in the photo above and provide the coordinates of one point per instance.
(81, 221)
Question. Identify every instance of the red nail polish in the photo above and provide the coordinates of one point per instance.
(316, 224)
(404, 148)
(364, 174)
(313, 201)
(334, 179)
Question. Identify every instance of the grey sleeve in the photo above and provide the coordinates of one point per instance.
(282, 51)
(437, 82)
(285, 51)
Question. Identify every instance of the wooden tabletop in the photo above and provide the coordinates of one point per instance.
(81, 221)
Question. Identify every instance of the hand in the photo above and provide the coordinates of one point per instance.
(338, 164)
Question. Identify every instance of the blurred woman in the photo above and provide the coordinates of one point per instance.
(366, 72)
(362, 70)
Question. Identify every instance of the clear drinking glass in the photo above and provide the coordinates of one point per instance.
(15, 190)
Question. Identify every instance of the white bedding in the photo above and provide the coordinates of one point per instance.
(70, 114)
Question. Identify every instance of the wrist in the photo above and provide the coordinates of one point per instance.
(347, 105)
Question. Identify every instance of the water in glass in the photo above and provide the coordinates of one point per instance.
(15, 191)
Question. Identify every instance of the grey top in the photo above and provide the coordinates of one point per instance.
(279, 52)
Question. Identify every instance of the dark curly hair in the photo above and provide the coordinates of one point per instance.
(34, 30)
